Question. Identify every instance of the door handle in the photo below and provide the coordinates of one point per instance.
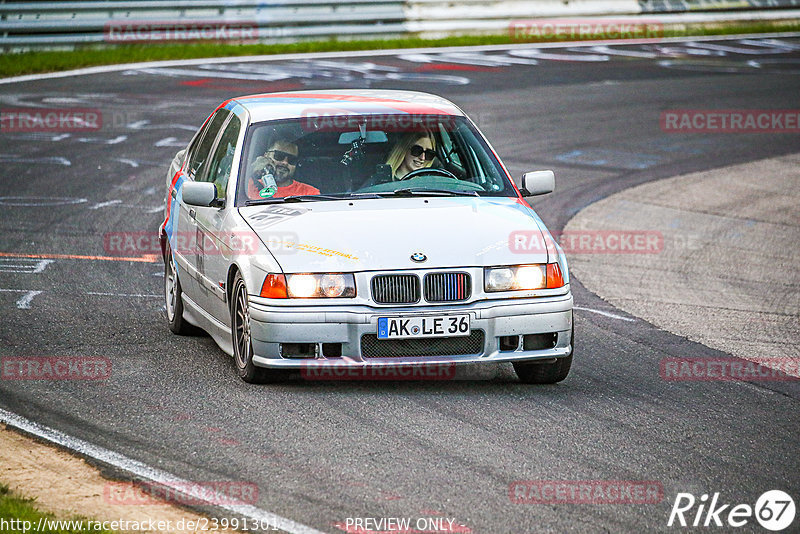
(173, 194)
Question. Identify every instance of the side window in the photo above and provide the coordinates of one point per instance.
(200, 153)
(219, 169)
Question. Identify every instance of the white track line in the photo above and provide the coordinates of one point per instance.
(606, 314)
(24, 302)
(41, 265)
(105, 204)
(143, 471)
(390, 52)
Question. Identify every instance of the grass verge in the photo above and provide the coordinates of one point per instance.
(19, 514)
(49, 61)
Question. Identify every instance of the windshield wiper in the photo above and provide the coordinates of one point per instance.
(366, 195)
(292, 198)
(408, 192)
(311, 198)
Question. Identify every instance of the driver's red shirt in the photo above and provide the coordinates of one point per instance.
(294, 188)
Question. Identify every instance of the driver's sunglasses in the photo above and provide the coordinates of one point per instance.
(417, 151)
(280, 155)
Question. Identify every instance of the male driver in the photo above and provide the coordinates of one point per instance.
(281, 161)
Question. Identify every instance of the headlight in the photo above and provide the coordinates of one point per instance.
(522, 277)
(333, 285)
(303, 286)
(531, 277)
(499, 279)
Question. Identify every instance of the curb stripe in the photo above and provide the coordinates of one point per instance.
(146, 472)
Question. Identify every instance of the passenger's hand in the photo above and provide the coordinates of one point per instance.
(259, 164)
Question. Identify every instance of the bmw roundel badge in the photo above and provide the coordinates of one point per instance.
(418, 257)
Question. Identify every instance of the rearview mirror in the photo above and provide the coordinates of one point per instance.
(538, 183)
(371, 137)
(202, 194)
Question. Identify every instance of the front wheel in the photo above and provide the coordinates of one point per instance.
(242, 343)
(173, 297)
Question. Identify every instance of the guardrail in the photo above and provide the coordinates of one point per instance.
(29, 24)
(66, 24)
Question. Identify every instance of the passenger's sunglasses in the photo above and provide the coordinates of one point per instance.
(280, 155)
(417, 151)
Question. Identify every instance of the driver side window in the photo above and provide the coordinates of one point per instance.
(219, 170)
(200, 153)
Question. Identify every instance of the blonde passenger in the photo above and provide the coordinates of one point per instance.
(414, 151)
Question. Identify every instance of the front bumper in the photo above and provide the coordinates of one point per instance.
(272, 326)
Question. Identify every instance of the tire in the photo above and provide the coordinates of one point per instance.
(242, 344)
(546, 373)
(173, 300)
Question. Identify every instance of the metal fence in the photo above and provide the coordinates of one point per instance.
(69, 23)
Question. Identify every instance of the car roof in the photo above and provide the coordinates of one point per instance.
(301, 104)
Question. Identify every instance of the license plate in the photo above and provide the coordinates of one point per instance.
(419, 327)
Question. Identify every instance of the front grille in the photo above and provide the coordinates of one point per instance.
(372, 347)
(395, 289)
(447, 287)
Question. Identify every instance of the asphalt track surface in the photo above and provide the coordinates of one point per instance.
(322, 452)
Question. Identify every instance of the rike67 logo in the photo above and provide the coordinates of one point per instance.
(774, 510)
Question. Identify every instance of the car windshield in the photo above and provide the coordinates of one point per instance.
(367, 156)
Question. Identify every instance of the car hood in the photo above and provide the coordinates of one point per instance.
(383, 234)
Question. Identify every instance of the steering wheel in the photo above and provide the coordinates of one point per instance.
(430, 170)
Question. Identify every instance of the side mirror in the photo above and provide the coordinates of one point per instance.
(202, 194)
(538, 183)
